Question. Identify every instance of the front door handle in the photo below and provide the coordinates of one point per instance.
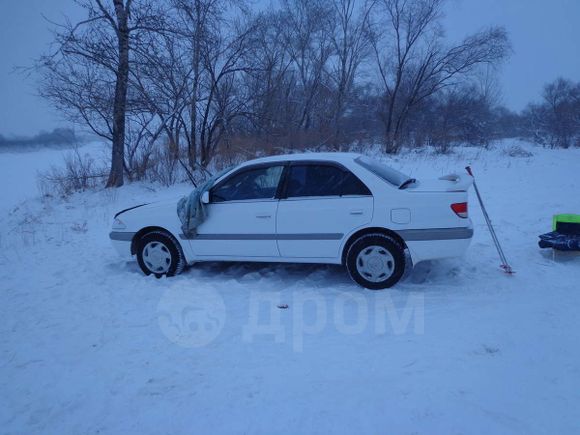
(356, 212)
(263, 216)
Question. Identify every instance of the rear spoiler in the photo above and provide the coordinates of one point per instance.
(460, 183)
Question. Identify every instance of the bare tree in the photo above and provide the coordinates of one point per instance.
(199, 21)
(350, 41)
(556, 120)
(308, 42)
(160, 77)
(214, 47)
(87, 75)
(270, 83)
(414, 63)
(120, 24)
(456, 115)
(223, 103)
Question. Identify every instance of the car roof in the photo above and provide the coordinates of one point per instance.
(328, 156)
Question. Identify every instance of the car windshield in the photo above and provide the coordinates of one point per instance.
(390, 175)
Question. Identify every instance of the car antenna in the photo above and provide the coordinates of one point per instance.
(504, 263)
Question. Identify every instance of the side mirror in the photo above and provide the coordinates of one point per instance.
(205, 197)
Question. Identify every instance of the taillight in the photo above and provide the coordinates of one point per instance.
(460, 209)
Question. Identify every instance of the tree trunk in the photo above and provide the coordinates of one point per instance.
(192, 143)
(391, 146)
(338, 110)
(120, 102)
(196, 64)
(390, 137)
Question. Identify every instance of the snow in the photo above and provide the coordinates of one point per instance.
(90, 345)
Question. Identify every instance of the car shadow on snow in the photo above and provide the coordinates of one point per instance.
(421, 277)
(418, 278)
(307, 274)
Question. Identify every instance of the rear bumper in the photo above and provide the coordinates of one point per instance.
(436, 243)
(121, 241)
(437, 234)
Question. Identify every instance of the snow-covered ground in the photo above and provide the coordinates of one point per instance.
(90, 345)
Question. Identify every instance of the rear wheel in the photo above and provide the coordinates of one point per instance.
(159, 253)
(376, 261)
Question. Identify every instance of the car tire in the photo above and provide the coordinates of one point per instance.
(376, 261)
(159, 254)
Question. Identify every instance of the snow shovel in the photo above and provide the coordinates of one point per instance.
(504, 263)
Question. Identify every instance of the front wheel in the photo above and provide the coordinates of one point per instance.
(158, 253)
(376, 261)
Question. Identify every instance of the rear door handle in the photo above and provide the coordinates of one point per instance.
(356, 212)
(263, 216)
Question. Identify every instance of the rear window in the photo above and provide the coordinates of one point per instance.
(390, 175)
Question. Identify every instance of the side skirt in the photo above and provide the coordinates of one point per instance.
(206, 259)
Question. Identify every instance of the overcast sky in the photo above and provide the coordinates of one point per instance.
(545, 35)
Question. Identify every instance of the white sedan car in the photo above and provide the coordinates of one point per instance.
(333, 208)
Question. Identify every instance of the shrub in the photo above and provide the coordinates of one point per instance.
(80, 172)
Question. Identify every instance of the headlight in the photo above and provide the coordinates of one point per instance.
(118, 224)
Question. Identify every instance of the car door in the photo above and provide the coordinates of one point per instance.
(241, 215)
(321, 203)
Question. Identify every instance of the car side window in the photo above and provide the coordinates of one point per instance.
(258, 183)
(351, 185)
(322, 180)
(313, 180)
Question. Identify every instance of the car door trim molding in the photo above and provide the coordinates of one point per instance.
(417, 235)
(304, 236)
(414, 235)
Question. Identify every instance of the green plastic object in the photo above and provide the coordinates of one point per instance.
(565, 218)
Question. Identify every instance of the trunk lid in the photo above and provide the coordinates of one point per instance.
(447, 183)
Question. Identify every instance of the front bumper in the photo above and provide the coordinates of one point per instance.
(121, 241)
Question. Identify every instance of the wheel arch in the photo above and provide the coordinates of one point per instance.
(369, 230)
(146, 230)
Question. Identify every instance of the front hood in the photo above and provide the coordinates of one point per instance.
(127, 209)
(161, 214)
(166, 203)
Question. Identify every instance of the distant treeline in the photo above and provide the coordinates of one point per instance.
(59, 137)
